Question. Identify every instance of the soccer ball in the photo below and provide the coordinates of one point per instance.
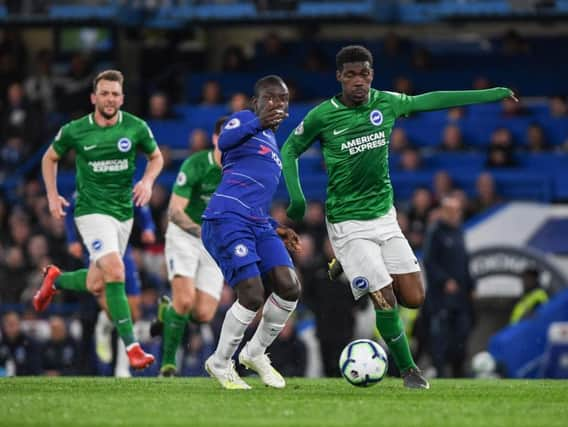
(363, 363)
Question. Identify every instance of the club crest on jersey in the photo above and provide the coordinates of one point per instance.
(360, 283)
(97, 245)
(232, 124)
(241, 250)
(181, 179)
(300, 129)
(376, 117)
(124, 145)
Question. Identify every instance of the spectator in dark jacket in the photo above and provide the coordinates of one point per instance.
(60, 353)
(17, 349)
(449, 291)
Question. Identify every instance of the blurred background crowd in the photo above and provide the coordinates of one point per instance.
(182, 78)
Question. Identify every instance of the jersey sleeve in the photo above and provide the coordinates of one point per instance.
(187, 177)
(238, 128)
(305, 134)
(63, 141)
(404, 104)
(146, 141)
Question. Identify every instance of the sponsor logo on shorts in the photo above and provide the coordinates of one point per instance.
(376, 117)
(124, 145)
(241, 250)
(360, 283)
(97, 244)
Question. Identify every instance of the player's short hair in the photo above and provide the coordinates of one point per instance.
(353, 53)
(111, 75)
(265, 81)
(219, 124)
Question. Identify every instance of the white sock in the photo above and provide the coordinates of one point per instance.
(122, 368)
(234, 326)
(274, 316)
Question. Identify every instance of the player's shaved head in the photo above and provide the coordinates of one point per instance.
(267, 81)
(353, 53)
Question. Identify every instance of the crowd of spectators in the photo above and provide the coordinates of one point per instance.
(35, 100)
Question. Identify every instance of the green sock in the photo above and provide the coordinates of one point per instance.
(73, 281)
(120, 311)
(392, 330)
(174, 326)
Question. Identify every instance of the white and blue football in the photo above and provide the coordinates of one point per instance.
(363, 363)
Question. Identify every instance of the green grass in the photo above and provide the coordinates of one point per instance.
(196, 402)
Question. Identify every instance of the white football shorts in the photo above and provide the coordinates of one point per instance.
(186, 256)
(370, 251)
(103, 234)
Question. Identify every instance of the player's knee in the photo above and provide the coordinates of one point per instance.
(96, 286)
(414, 299)
(183, 303)
(290, 291)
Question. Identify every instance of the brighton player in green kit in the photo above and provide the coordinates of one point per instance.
(354, 128)
(105, 143)
(196, 280)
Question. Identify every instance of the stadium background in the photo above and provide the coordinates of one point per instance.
(188, 62)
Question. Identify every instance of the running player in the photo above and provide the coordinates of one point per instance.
(246, 242)
(354, 128)
(196, 280)
(103, 330)
(105, 143)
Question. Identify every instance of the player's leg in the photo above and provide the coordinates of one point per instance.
(175, 319)
(106, 239)
(357, 248)
(278, 307)
(182, 260)
(209, 285)
(236, 256)
(402, 265)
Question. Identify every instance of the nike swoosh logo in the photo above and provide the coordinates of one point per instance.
(264, 150)
(89, 147)
(265, 133)
(339, 132)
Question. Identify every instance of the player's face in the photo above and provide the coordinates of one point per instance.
(108, 98)
(355, 79)
(274, 96)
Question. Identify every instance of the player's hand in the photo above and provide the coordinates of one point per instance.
(296, 210)
(511, 94)
(75, 249)
(142, 192)
(148, 237)
(271, 116)
(290, 238)
(56, 204)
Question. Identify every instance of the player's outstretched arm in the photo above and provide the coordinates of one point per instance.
(305, 134)
(447, 99)
(297, 207)
(49, 164)
(143, 189)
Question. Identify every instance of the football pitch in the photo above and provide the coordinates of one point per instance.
(164, 402)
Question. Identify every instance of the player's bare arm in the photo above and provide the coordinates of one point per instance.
(143, 189)
(177, 215)
(56, 202)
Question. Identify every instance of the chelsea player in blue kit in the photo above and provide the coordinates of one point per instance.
(246, 242)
